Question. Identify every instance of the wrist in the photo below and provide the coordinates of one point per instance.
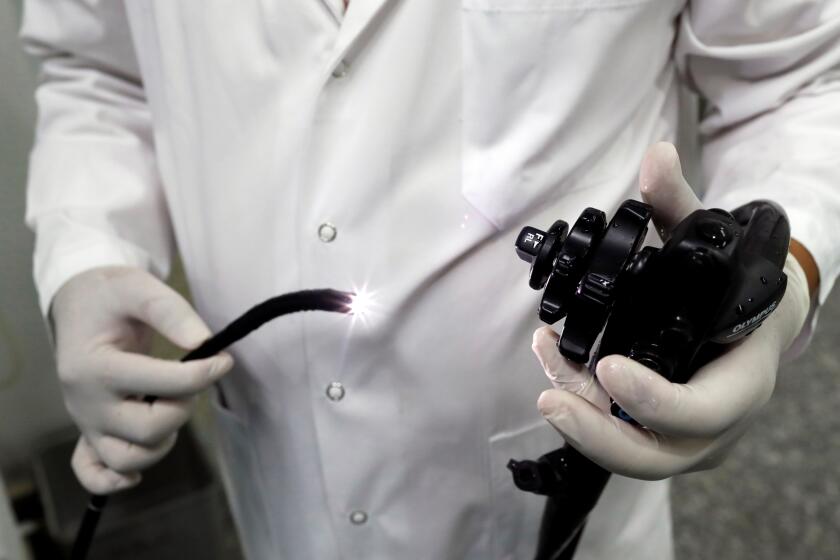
(793, 309)
(809, 265)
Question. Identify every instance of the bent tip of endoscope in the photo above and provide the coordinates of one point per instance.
(342, 300)
(361, 303)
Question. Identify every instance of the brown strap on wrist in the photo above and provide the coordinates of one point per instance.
(806, 261)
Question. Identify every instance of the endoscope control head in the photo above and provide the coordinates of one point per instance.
(716, 279)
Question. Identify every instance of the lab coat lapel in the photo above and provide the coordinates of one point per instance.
(360, 15)
(333, 8)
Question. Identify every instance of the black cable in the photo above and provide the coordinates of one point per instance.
(304, 300)
(88, 527)
(572, 484)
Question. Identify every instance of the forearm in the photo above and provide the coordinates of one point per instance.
(771, 79)
(94, 196)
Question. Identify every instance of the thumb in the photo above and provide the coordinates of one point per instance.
(149, 300)
(663, 186)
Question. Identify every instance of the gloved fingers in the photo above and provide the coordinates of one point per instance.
(124, 457)
(145, 298)
(616, 445)
(720, 395)
(563, 373)
(94, 475)
(128, 373)
(664, 187)
(145, 424)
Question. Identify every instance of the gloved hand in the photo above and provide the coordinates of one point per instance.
(689, 426)
(102, 321)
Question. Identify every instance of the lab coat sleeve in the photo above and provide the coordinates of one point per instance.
(94, 196)
(769, 73)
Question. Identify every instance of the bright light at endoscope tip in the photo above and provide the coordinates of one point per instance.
(362, 302)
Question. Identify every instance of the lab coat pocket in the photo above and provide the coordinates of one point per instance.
(541, 104)
(516, 515)
(242, 478)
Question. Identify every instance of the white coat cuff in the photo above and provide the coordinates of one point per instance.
(798, 291)
(65, 264)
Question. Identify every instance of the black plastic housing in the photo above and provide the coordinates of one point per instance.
(715, 280)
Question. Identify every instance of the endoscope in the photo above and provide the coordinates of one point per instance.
(305, 300)
(715, 280)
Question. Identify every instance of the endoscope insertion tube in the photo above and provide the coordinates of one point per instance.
(305, 300)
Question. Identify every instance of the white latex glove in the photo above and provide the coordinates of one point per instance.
(689, 426)
(102, 320)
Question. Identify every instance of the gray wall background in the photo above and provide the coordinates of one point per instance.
(778, 496)
(30, 404)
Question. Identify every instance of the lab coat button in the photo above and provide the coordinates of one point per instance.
(335, 391)
(327, 232)
(340, 70)
(358, 517)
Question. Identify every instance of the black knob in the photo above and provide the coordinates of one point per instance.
(528, 243)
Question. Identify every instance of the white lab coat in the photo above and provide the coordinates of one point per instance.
(425, 133)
